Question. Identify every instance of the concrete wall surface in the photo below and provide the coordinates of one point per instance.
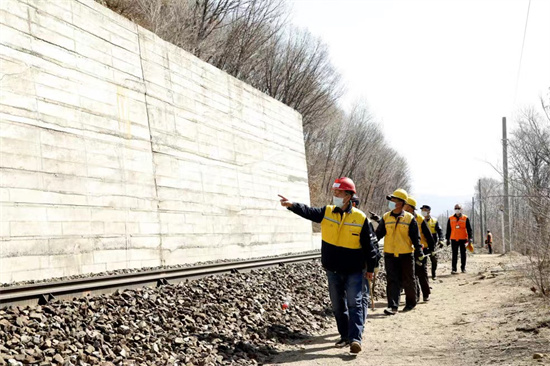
(120, 150)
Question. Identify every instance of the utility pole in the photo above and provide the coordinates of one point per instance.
(485, 218)
(481, 231)
(502, 220)
(506, 212)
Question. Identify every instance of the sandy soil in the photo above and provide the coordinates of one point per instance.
(488, 316)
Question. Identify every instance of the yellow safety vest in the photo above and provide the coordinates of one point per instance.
(432, 222)
(397, 240)
(423, 240)
(343, 230)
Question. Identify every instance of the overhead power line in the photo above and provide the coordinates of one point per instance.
(521, 54)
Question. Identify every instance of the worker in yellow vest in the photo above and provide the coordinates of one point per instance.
(459, 234)
(347, 255)
(401, 245)
(427, 242)
(437, 235)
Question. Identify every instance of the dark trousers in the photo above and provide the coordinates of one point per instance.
(433, 259)
(456, 244)
(400, 274)
(490, 246)
(422, 282)
(346, 296)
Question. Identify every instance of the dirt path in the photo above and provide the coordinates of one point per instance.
(472, 319)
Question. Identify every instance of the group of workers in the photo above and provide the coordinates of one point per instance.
(350, 254)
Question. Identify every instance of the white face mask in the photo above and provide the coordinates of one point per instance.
(391, 205)
(424, 213)
(338, 201)
(458, 211)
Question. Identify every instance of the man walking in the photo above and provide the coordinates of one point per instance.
(437, 235)
(401, 245)
(459, 234)
(489, 241)
(347, 255)
(427, 242)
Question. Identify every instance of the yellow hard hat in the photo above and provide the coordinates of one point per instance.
(411, 202)
(398, 193)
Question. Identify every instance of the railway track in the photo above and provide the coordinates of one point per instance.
(43, 292)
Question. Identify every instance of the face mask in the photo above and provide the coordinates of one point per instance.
(338, 202)
(391, 205)
(458, 211)
(424, 213)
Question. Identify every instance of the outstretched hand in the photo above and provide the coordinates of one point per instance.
(374, 216)
(284, 201)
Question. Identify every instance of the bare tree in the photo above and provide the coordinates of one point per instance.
(529, 161)
(296, 70)
(244, 40)
(354, 145)
(250, 40)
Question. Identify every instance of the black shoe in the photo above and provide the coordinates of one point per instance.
(390, 311)
(434, 278)
(342, 343)
(407, 308)
(463, 271)
(454, 272)
(426, 298)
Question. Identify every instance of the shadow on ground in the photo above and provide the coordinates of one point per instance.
(311, 353)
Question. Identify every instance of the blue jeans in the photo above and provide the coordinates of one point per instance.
(346, 296)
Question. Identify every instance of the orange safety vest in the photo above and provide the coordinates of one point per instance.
(489, 238)
(458, 228)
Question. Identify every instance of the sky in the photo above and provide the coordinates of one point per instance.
(439, 75)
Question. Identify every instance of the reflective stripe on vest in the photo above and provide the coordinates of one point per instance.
(432, 222)
(342, 230)
(423, 240)
(397, 240)
(459, 233)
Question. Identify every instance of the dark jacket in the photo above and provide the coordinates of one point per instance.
(339, 259)
(438, 235)
(374, 243)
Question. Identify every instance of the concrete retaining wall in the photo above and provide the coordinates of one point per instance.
(120, 150)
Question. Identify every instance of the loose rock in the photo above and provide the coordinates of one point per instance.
(233, 319)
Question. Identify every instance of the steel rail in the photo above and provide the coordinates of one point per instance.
(41, 293)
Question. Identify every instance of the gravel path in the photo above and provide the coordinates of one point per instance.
(478, 318)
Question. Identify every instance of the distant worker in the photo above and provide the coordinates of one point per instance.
(374, 241)
(347, 255)
(459, 233)
(401, 245)
(437, 235)
(428, 244)
(489, 241)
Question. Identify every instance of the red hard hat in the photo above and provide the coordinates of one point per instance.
(344, 184)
